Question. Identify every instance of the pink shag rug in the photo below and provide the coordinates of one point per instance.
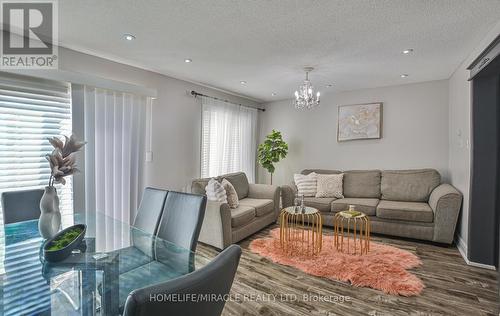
(383, 268)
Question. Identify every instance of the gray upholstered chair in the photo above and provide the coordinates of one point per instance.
(145, 226)
(20, 206)
(179, 225)
(215, 279)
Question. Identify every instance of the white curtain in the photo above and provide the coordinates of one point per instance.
(114, 156)
(228, 138)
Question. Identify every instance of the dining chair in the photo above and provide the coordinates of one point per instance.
(20, 206)
(180, 225)
(145, 227)
(212, 282)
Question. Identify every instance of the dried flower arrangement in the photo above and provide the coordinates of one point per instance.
(62, 160)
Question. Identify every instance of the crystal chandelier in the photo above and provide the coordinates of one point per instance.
(304, 97)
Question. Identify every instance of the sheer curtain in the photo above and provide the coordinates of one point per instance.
(114, 155)
(228, 138)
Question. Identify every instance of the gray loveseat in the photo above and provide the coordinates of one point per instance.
(406, 203)
(259, 207)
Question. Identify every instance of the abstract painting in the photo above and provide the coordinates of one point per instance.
(359, 121)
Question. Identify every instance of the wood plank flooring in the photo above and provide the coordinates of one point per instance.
(262, 287)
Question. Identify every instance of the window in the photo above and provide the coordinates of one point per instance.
(228, 138)
(31, 110)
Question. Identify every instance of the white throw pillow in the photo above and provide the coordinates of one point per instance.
(232, 196)
(330, 185)
(215, 191)
(306, 184)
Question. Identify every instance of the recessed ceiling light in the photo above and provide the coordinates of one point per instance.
(129, 37)
(407, 51)
(273, 94)
(404, 75)
(188, 60)
(243, 82)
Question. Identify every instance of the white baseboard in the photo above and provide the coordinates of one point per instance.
(462, 248)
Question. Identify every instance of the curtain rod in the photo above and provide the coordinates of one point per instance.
(197, 94)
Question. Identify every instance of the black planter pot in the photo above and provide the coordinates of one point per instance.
(61, 254)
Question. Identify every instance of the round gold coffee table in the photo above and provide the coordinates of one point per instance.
(301, 230)
(342, 223)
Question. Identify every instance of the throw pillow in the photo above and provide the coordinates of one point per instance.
(330, 185)
(232, 196)
(306, 184)
(215, 191)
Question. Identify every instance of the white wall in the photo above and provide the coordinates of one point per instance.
(415, 131)
(176, 117)
(460, 133)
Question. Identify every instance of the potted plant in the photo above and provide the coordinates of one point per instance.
(62, 162)
(271, 151)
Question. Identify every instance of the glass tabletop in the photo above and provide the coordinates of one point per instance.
(114, 259)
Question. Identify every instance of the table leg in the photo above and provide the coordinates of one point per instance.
(111, 287)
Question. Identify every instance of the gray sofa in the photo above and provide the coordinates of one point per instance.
(259, 207)
(405, 203)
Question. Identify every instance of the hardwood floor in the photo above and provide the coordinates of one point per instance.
(452, 287)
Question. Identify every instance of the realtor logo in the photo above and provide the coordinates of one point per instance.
(29, 35)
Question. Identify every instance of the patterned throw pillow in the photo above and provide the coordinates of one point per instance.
(306, 184)
(215, 191)
(232, 196)
(330, 185)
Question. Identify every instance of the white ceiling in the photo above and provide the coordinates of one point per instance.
(353, 44)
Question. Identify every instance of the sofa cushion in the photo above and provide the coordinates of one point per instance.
(406, 211)
(306, 184)
(198, 186)
(262, 206)
(329, 185)
(320, 171)
(362, 184)
(240, 182)
(242, 215)
(409, 185)
(367, 206)
(231, 195)
(322, 204)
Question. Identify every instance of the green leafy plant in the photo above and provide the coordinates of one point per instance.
(271, 151)
(65, 239)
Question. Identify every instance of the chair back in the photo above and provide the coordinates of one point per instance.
(212, 281)
(20, 206)
(148, 218)
(180, 226)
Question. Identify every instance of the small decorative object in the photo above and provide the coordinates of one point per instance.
(62, 162)
(359, 121)
(352, 207)
(271, 151)
(305, 97)
(62, 244)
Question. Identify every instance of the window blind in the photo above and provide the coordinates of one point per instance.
(31, 111)
(228, 138)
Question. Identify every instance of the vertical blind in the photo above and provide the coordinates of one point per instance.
(31, 110)
(114, 155)
(228, 138)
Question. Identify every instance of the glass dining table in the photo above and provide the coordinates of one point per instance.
(114, 259)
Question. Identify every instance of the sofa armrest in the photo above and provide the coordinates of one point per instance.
(445, 201)
(266, 191)
(216, 227)
(288, 193)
